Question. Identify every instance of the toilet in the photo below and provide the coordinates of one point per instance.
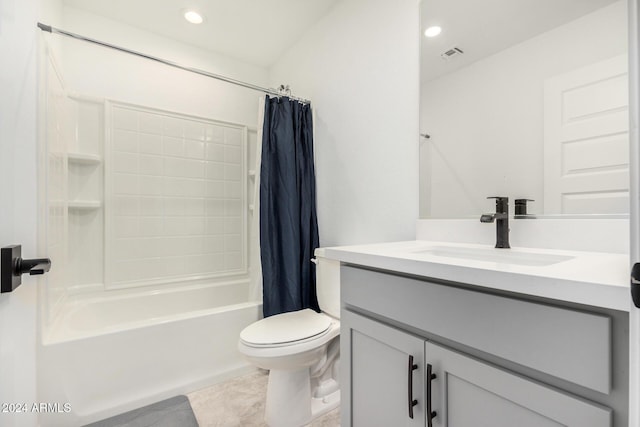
(301, 350)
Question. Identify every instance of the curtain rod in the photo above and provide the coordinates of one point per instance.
(283, 91)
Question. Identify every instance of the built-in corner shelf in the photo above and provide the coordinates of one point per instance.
(84, 159)
(84, 205)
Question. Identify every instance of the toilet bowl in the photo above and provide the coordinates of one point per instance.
(301, 350)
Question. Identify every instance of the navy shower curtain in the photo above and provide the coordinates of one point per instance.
(288, 222)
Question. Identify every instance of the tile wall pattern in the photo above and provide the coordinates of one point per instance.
(176, 197)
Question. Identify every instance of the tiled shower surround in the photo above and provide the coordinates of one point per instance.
(135, 196)
(176, 197)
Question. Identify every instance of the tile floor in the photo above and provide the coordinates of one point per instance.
(240, 403)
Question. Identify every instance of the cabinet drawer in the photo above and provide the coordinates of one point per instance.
(568, 344)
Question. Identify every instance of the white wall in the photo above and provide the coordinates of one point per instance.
(610, 235)
(359, 66)
(18, 198)
(102, 72)
(486, 120)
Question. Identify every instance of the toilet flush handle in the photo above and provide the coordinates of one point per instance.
(314, 260)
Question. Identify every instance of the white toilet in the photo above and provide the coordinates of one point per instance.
(301, 349)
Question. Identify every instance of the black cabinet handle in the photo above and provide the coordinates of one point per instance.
(430, 414)
(635, 284)
(412, 402)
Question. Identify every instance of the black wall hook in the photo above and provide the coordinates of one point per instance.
(12, 267)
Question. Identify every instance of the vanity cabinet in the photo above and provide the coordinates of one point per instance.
(390, 368)
(388, 364)
(468, 392)
(494, 360)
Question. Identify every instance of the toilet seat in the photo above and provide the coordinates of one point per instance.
(303, 352)
(286, 329)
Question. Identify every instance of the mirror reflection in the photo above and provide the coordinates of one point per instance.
(525, 99)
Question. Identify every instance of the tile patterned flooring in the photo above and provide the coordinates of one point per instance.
(240, 403)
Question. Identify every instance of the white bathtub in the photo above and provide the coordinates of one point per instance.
(107, 355)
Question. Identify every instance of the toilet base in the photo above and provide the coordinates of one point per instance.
(320, 406)
(303, 378)
(289, 401)
(288, 398)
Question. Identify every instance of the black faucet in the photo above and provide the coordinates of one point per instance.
(501, 217)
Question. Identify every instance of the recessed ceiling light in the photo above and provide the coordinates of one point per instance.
(432, 31)
(193, 17)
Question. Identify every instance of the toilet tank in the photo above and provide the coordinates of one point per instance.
(328, 284)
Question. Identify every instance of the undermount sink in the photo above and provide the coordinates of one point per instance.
(502, 256)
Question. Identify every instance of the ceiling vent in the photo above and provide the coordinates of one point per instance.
(451, 53)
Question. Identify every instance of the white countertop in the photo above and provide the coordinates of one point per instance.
(592, 278)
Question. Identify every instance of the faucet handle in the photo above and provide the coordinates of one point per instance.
(502, 204)
(521, 206)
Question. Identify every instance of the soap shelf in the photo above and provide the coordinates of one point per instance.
(84, 159)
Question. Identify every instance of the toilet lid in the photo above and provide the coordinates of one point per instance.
(286, 327)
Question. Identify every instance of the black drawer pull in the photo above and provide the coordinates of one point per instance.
(412, 402)
(430, 414)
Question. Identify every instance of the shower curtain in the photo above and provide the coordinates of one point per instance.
(288, 222)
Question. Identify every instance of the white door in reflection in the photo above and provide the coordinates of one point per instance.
(586, 139)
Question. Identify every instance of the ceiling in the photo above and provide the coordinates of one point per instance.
(260, 31)
(482, 28)
(254, 31)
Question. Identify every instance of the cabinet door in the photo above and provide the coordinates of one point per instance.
(469, 393)
(378, 382)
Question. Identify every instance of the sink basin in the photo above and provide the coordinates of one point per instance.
(502, 256)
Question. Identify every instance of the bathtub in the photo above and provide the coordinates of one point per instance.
(106, 355)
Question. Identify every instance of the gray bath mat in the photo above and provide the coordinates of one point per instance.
(172, 412)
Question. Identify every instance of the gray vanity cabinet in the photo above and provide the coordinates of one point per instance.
(379, 361)
(470, 393)
(396, 329)
(465, 392)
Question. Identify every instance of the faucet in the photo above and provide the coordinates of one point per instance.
(501, 217)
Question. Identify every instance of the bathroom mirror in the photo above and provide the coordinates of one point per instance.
(525, 99)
